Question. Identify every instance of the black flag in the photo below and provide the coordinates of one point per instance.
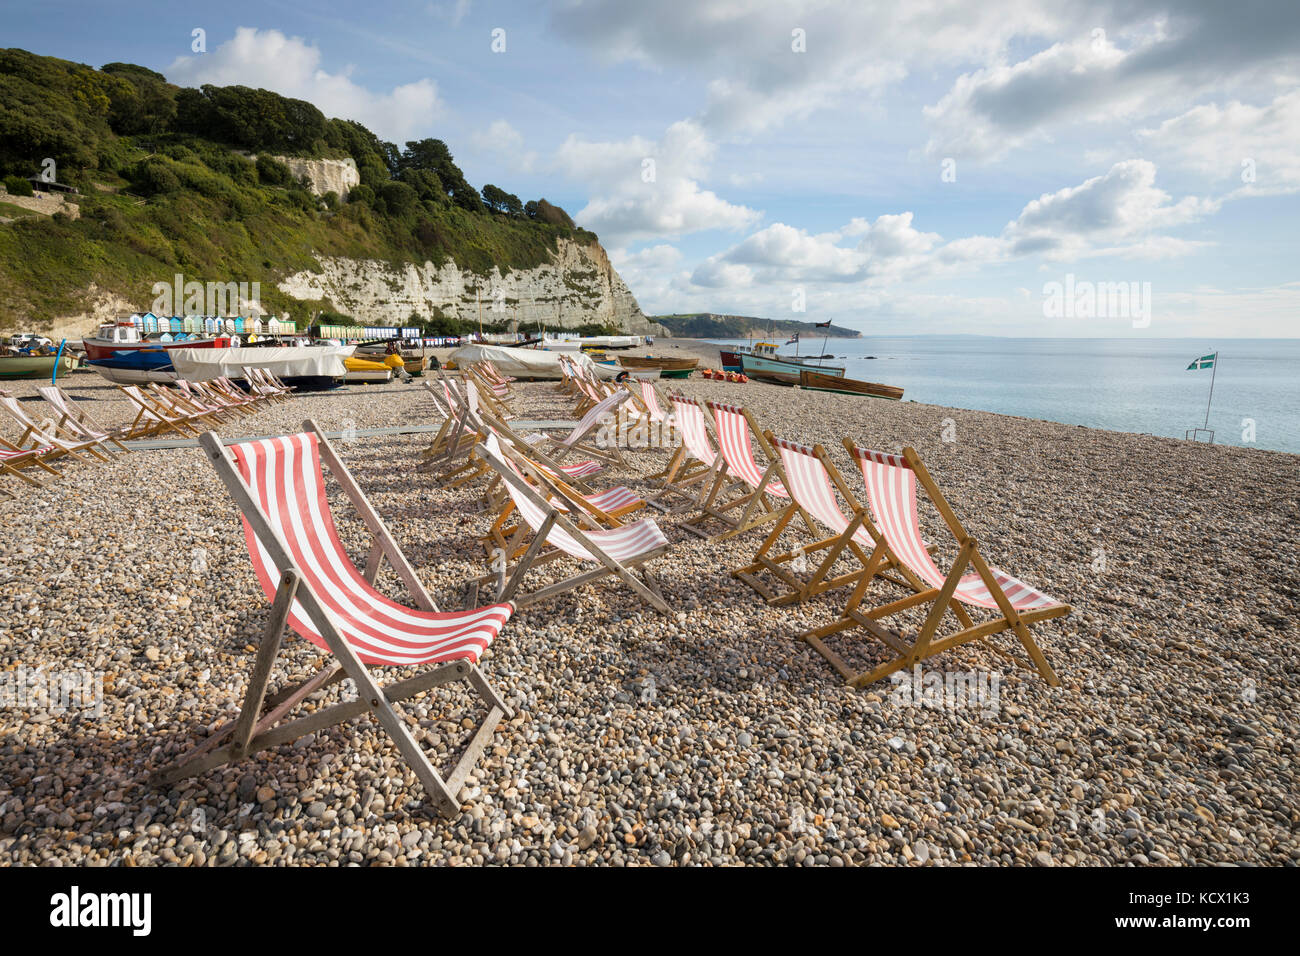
(823, 325)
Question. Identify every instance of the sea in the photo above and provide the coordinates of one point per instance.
(1126, 385)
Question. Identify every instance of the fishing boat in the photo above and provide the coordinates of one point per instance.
(123, 335)
(33, 365)
(763, 363)
(818, 382)
(669, 367)
(135, 366)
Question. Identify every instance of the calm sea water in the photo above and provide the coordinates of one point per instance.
(1118, 384)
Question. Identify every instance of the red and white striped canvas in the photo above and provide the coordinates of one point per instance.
(43, 432)
(605, 406)
(812, 489)
(650, 398)
(695, 434)
(891, 495)
(284, 476)
(738, 451)
(622, 544)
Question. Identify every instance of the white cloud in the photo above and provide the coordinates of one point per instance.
(1119, 213)
(644, 190)
(505, 143)
(1254, 145)
(268, 59)
(1123, 204)
(1166, 56)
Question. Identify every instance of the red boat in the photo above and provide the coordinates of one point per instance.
(125, 336)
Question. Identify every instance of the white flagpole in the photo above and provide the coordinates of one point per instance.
(1214, 369)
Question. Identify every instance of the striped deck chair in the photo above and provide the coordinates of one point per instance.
(555, 535)
(740, 484)
(607, 507)
(48, 439)
(177, 403)
(303, 568)
(599, 416)
(811, 568)
(154, 416)
(213, 396)
(574, 473)
(13, 461)
(193, 401)
(693, 463)
(236, 395)
(260, 382)
(77, 423)
(450, 437)
(891, 482)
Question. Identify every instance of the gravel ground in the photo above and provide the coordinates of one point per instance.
(711, 736)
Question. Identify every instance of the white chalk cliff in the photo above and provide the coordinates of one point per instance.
(578, 286)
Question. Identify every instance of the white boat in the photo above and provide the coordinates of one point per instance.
(313, 361)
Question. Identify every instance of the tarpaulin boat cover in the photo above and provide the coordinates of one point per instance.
(527, 363)
(203, 365)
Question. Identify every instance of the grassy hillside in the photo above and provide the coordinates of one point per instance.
(165, 189)
(708, 325)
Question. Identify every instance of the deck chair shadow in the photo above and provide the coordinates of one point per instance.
(891, 482)
(302, 566)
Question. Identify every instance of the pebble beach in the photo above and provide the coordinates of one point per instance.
(710, 736)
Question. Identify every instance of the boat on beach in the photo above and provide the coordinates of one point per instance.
(34, 365)
(124, 335)
(817, 382)
(782, 370)
(668, 367)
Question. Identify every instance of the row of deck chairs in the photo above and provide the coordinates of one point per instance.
(542, 509)
(45, 441)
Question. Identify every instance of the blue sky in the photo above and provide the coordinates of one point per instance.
(799, 150)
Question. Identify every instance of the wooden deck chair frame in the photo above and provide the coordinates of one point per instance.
(575, 440)
(508, 580)
(13, 461)
(941, 600)
(75, 421)
(685, 469)
(452, 437)
(150, 413)
(457, 465)
(825, 550)
(503, 535)
(730, 492)
(182, 405)
(257, 729)
(55, 442)
(192, 402)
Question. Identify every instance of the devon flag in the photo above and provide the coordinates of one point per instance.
(1205, 361)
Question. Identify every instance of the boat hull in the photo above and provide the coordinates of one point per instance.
(135, 376)
(97, 348)
(32, 366)
(730, 360)
(668, 365)
(779, 371)
(847, 386)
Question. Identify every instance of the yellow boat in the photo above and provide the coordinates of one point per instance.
(362, 370)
